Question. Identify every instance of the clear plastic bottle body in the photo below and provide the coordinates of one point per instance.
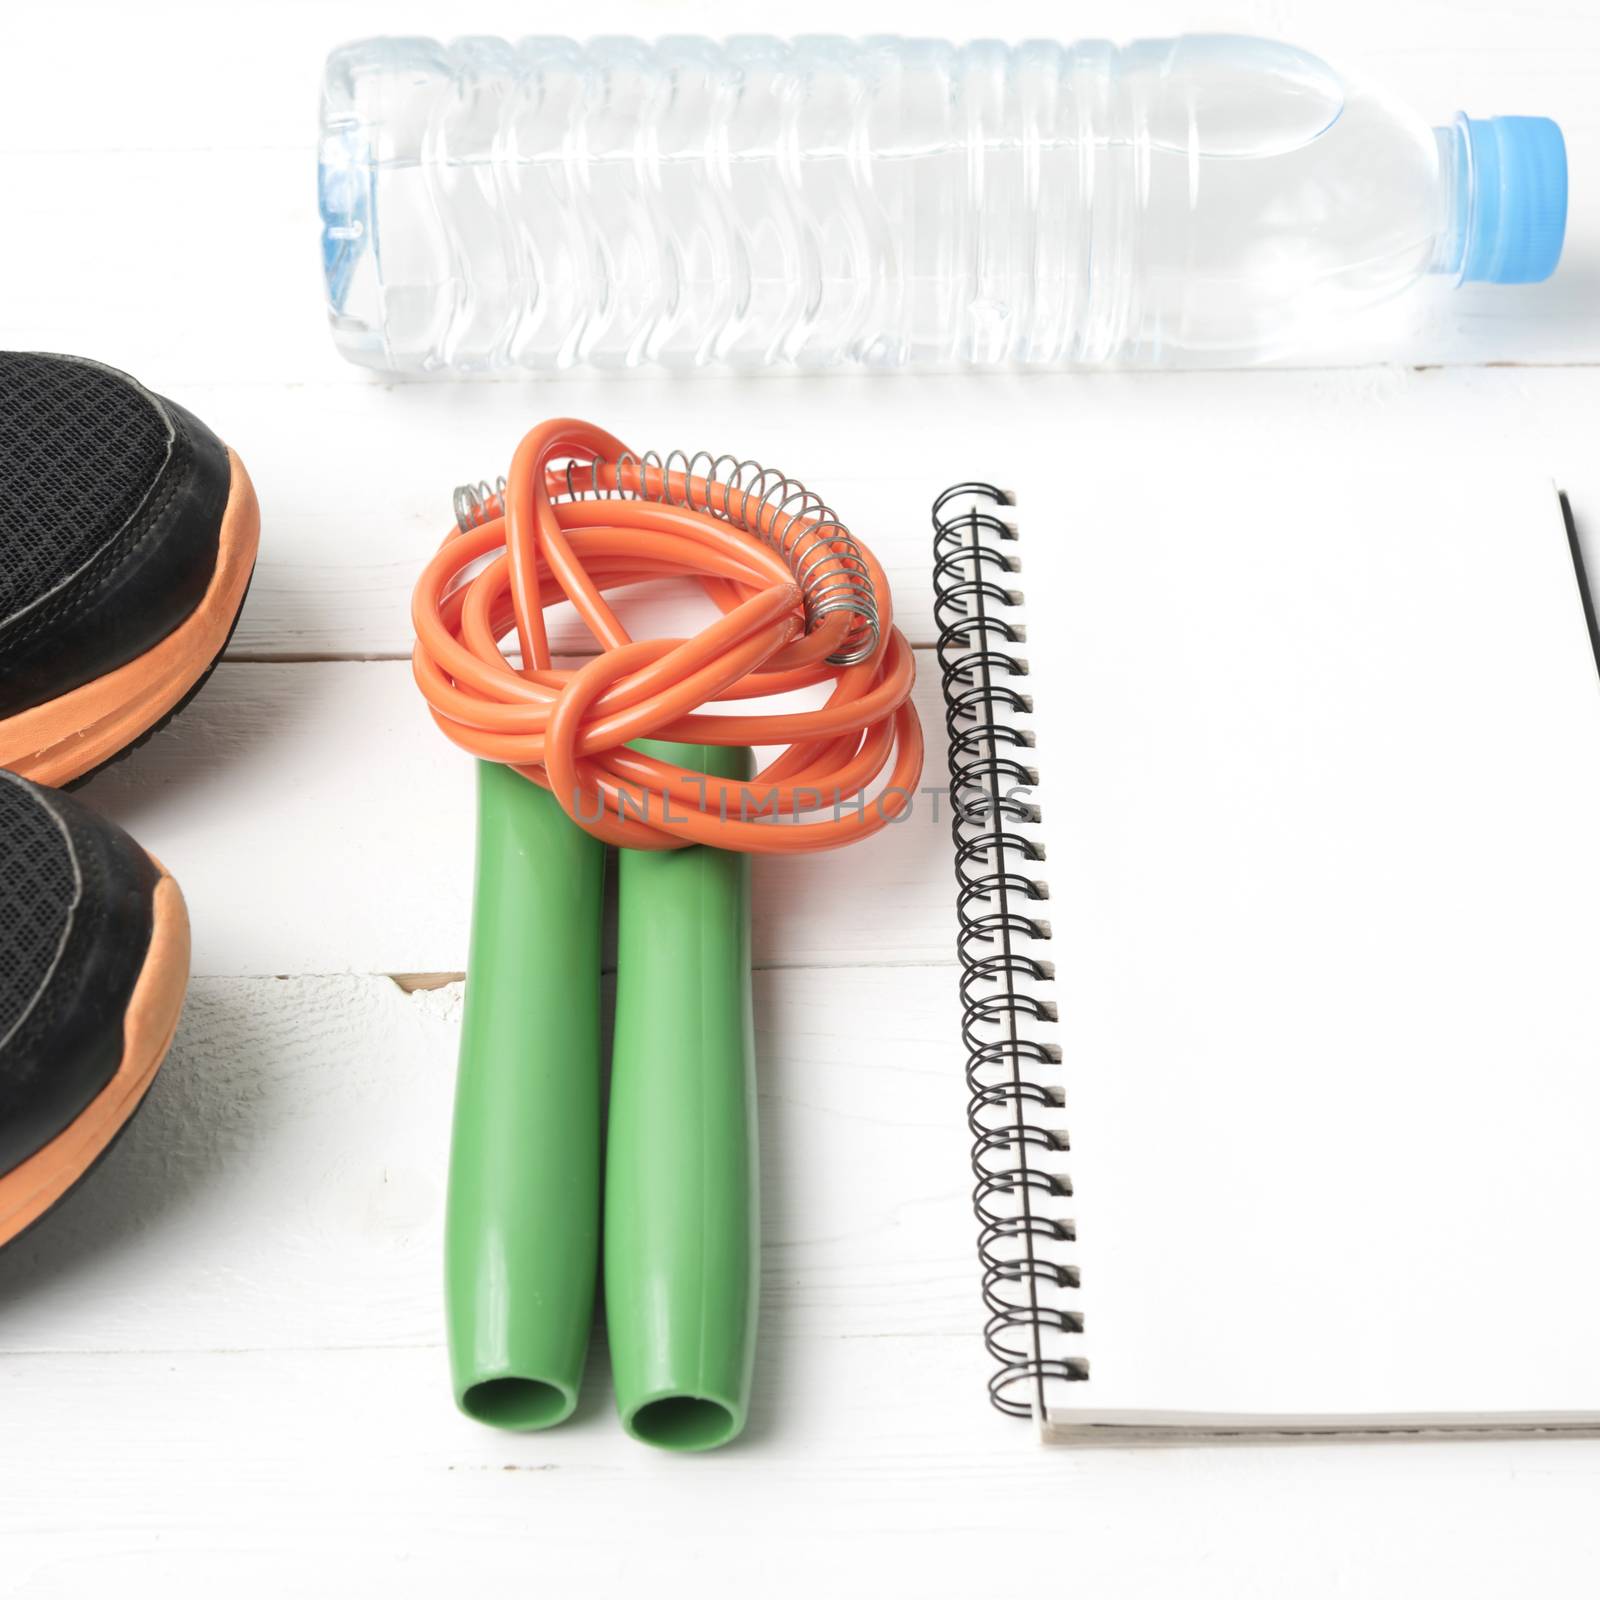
(883, 202)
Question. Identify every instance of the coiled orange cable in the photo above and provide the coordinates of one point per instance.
(567, 730)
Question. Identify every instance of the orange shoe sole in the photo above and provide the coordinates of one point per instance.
(73, 734)
(29, 1190)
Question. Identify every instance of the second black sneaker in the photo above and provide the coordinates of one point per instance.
(94, 961)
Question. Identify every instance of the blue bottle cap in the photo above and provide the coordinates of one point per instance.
(1518, 213)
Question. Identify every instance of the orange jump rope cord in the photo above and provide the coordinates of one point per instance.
(567, 730)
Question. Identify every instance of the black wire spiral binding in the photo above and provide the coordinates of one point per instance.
(1022, 1238)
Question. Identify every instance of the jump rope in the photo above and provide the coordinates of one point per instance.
(620, 751)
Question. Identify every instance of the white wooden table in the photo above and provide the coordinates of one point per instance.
(221, 1362)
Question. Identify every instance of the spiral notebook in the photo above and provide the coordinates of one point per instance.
(1278, 874)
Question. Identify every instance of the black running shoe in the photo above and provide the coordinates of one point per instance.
(94, 960)
(127, 539)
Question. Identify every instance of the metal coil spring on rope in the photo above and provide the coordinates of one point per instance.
(780, 511)
(1024, 1239)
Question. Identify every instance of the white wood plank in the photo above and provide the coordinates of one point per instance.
(220, 1362)
(319, 822)
(355, 481)
(283, 1187)
(869, 1467)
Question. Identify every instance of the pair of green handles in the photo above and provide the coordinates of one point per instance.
(523, 1232)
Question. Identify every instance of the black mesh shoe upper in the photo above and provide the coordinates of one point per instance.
(41, 892)
(111, 503)
(76, 911)
(79, 448)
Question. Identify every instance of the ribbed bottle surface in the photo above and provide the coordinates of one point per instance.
(881, 202)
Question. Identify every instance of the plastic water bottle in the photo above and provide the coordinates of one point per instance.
(892, 202)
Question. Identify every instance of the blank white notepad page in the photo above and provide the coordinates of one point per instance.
(1321, 785)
